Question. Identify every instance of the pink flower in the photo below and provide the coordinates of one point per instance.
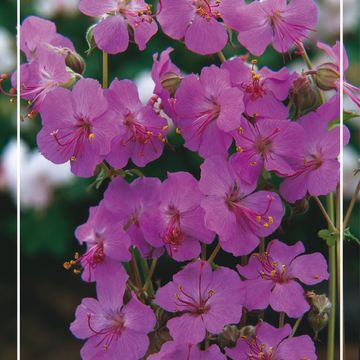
(272, 343)
(110, 327)
(42, 76)
(267, 143)
(111, 34)
(163, 70)
(80, 130)
(264, 91)
(237, 215)
(272, 278)
(317, 172)
(279, 22)
(197, 22)
(334, 68)
(36, 32)
(142, 132)
(107, 244)
(173, 350)
(206, 301)
(178, 221)
(128, 202)
(208, 108)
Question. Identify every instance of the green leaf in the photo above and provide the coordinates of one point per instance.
(348, 236)
(328, 236)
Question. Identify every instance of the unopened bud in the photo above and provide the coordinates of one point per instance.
(75, 62)
(304, 95)
(301, 207)
(326, 76)
(171, 82)
(73, 78)
(318, 316)
(229, 336)
(248, 331)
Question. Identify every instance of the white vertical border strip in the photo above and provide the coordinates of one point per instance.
(341, 204)
(18, 173)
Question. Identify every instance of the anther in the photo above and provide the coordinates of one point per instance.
(239, 149)
(258, 218)
(253, 163)
(91, 136)
(177, 130)
(266, 225)
(165, 127)
(241, 130)
(73, 158)
(271, 219)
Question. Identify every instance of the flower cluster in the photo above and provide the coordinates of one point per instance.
(260, 152)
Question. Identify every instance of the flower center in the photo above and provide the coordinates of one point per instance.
(206, 10)
(110, 332)
(271, 269)
(258, 350)
(173, 235)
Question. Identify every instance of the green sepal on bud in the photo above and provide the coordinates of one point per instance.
(318, 316)
(171, 82)
(90, 39)
(75, 62)
(304, 95)
(229, 336)
(326, 76)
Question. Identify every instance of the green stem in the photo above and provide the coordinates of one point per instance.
(214, 253)
(148, 282)
(296, 326)
(351, 206)
(327, 217)
(221, 56)
(105, 58)
(203, 251)
(281, 319)
(135, 270)
(332, 284)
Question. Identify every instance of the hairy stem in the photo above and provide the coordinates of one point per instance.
(332, 283)
(105, 58)
(214, 253)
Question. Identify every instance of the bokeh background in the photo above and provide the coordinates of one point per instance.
(54, 202)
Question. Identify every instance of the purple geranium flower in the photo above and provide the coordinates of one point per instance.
(128, 202)
(334, 54)
(318, 171)
(267, 143)
(40, 77)
(206, 300)
(279, 22)
(272, 343)
(208, 108)
(237, 215)
(272, 278)
(197, 22)
(172, 350)
(264, 91)
(106, 241)
(178, 221)
(111, 34)
(142, 132)
(36, 32)
(164, 69)
(80, 129)
(111, 327)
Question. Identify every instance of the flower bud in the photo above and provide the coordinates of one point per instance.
(300, 207)
(229, 336)
(75, 62)
(318, 316)
(171, 82)
(73, 78)
(326, 76)
(304, 95)
(248, 331)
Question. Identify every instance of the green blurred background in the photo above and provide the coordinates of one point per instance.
(49, 294)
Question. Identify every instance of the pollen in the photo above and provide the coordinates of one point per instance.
(271, 219)
(265, 225)
(67, 265)
(91, 136)
(239, 149)
(165, 127)
(77, 271)
(254, 61)
(316, 277)
(253, 163)
(73, 158)
(150, 133)
(241, 130)
(258, 218)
